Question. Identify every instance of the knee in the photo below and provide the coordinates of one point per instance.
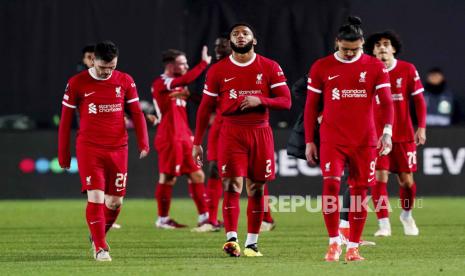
(406, 181)
(197, 177)
(232, 185)
(331, 185)
(166, 179)
(114, 203)
(255, 190)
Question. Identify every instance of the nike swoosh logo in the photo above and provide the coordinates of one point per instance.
(93, 222)
(88, 94)
(226, 80)
(119, 190)
(371, 179)
(267, 175)
(332, 77)
(230, 207)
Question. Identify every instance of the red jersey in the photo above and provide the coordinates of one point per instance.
(101, 104)
(405, 84)
(348, 89)
(171, 111)
(231, 82)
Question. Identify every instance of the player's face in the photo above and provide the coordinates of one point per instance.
(349, 49)
(384, 50)
(222, 48)
(242, 39)
(88, 59)
(180, 66)
(103, 68)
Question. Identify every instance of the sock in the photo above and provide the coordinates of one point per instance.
(406, 214)
(251, 239)
(384, 223)
(214, 192)
(231, 235)
(357, 213)
(344, 224)
(95, 216)
(331, 205)
(202, 217)
(407, 196)
(267, 212)
(335, 240)
(110, 217)
(345, 206)
(163, 196)
(163, 219)
(255, 206)
(197, 192)
(379, 195)
(231, 210)
(352, 245)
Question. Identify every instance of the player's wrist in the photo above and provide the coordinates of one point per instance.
(387, 130)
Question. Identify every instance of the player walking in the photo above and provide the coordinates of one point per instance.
(102, 95)
(243, 85)
(347, 81)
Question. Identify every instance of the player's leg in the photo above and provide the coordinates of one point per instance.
(344, 226)
(196, 187)
(214, 192)
(163, 195)
(268, 223)
(232, 187)
(112, 210)
(379, 195)
(332, 164)
(255, 208)
(408, 191)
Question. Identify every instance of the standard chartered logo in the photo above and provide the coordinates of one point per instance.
(92, 108)
(336, 95)
(232, 94)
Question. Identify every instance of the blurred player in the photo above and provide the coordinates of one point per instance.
(88, 55)
(102, 95)
(405, 86)
(173, 140)
(347, 81)
(243, 86)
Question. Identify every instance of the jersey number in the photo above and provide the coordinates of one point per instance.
(121, 180)
(412, 158)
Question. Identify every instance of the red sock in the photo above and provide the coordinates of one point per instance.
(95, 216)
(267, 212)
(379, 191)
(110, 217)
(357, 213)
(231, 210)
(331, 188)
(163, 196)
(197, 192)
(407, 196)
(255, 206)
(214, 192)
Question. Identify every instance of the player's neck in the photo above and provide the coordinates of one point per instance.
(168, 73)
(243, 58)
(390, 63)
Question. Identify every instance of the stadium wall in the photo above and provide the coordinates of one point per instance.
(29, 168)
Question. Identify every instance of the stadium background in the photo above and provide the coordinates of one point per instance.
(41, 43)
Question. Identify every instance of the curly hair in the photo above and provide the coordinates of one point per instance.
(376, 37)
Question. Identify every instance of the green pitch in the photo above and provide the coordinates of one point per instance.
(50, 237)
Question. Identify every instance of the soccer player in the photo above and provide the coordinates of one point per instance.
(102, 95)
(245, 85)
(347, 81)
(173, 140)
(88, 55)
(405, 86)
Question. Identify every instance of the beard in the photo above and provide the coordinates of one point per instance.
(241, 50)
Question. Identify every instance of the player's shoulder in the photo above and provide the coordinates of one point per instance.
(325, 61)
(368, 59)
(122, 75)
(79, 78)
(406, 65)
(265, 60)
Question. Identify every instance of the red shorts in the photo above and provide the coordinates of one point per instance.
(246, 151)
(403, 158)
(360, 160)
(103, 169)
(213, 136)
(175, 158)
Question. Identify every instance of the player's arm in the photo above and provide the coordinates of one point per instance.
(420, 107)
(386, 108)
(64, 128)
(137, 116)
(314, 91)
(192, 74)
(206, 108)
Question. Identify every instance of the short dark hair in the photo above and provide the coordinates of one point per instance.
(90, 48)
(435, 70)
(242, 24)
(351, 31)
(170, 55)
(106, 51)
(376, 37)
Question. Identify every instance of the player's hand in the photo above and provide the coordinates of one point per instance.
(65, 161)
(420, 136)
(205, 56)
(152, 119)
(143, 154)
(250, 101)
(197, 154)
(384, 144)
(311, 153)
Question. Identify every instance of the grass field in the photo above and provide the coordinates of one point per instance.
(50, 237)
